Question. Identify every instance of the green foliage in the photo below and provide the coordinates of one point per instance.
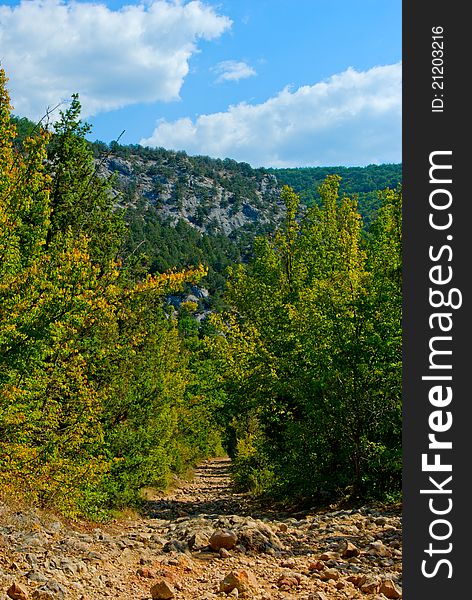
(81, 202)
(361, 182)
(163, 245)
(96, 386)
(156, 246)
(312, 352)
(49, 422)
(152, 179)
(103, 392)
(24, 129)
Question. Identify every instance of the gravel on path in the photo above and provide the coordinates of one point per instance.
(204, 540)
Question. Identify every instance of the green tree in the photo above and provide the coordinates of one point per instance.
(311, 352)
(48, 412)
(81, 201)
(93, 376)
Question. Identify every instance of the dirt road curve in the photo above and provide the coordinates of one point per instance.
(259, 553)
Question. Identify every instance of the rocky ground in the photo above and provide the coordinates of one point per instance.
(204, 541)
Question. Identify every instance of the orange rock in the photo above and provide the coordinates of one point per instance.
(329, 574)
(371, 586)
(389, 589)
(317, 596)
(17, 592)
(349, 550)
(162, 591)
(243, 580)
(316, 565)
(357, 580)
(145, 572)
(377, 548)
(288, 581)
(329, 555)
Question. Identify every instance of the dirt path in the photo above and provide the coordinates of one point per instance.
(272, 555)
(209, 492)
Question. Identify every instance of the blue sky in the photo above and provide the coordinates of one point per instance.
(270, 82)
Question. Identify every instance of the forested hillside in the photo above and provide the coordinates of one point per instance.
(185, 210)
(362, 182)
(106, 390)
(182, 210)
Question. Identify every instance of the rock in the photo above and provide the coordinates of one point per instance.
(32, 559)
(371, 586)
(289, 564)
(198, 540)
(174, 546)
(162, 591)
(288, 580)
(349, 550)
(358, 579)
(244, 580)
(156, 539)
(35, 575)
(329, 556)
(95, 557)
(389, 589)
(223, 538)
(126, 560)
(35, 540)
(316, 565)
(49, 591)
(329, 574)
(68, 567)
(145, 573)
(254, 539)
(17, 592)
(266, 530)
(377, 548)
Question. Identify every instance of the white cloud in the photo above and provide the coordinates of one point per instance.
(352, 118)
(113, 58)
(233, 70)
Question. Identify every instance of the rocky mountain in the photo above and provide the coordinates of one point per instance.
(224, 196)
(212, 196)
(220, 197)
(184, 210)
